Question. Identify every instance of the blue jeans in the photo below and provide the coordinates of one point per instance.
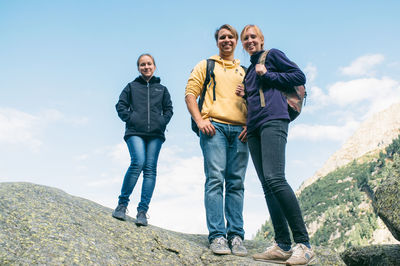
(225, 161)
(144, 155)
(267, 148)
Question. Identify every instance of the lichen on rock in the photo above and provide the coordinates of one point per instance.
(41, 225)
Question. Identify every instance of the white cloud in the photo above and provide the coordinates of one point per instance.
(119, 153)
(105, 182)
(355, 91)
(82, 157)
(323, 132)
(316, 99)
(311, 72)
(18, 127)
(182, 176)
(362, 65)
(358, 97)
(21, 128)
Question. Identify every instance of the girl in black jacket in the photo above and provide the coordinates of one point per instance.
(146, 108)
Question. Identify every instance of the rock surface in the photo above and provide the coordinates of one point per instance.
(46, 226)
(377, 255)
(387, 204)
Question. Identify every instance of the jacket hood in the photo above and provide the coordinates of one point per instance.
(153, 79)
(226, 63)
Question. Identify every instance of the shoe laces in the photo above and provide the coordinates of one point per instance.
(121, 207)
(271, 247)
(298, 250)
(236, 241)
(144, 214)
(221, 240)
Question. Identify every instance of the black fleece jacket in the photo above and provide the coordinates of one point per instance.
(145, 107)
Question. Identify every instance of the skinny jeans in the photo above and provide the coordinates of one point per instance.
(267, 146)
(144, 156)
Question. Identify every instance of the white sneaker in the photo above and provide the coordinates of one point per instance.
(302, 255)
(273, 254)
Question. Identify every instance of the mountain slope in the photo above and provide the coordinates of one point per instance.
(337, 201)
(338, 208)
(373, 135)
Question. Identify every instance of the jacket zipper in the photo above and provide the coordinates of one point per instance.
(148, 106)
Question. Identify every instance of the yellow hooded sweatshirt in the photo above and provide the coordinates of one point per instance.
(228, 108)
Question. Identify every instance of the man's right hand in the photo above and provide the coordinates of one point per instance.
(206, 127)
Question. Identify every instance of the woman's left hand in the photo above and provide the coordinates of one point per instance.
(261, 69)
(240, 90)
(243, 134)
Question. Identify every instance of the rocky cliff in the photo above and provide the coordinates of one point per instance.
(373, 135)
(45, 226)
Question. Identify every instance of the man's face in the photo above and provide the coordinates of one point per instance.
(226, 42)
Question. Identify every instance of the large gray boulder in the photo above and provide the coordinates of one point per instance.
(375, 255)
(387, 204)
(45, 226)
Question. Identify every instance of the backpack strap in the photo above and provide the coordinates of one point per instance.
(261, 60)
(209, 75)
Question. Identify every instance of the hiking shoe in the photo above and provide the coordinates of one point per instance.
(237, 247)
(141, 218)
(273, 254)
(220, 246)
(302, 255)
(120, 212)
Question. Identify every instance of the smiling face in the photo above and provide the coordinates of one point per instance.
(252, 41)
(226, 43)
(146, 66)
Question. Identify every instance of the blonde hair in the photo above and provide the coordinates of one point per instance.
(257, 30)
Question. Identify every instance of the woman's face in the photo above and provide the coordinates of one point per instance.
(252, 43)
(226, 42)
(146, 67)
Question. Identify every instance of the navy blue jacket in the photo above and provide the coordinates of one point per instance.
(145, 107)
(281, 75)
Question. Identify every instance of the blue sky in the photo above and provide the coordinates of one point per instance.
(63, 65)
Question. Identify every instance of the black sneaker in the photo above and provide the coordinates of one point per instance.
(120, 212)
(141, 218)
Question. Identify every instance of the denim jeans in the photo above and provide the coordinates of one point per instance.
(267, 148)
(225, 162)
(144, 155)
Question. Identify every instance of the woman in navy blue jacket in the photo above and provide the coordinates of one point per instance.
(146, 108)
(267, 129)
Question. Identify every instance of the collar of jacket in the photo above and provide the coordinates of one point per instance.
(153, 79)
(254, 57)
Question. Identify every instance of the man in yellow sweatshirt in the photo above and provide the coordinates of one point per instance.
(222, 128)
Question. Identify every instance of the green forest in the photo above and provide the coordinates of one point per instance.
(337, 208)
